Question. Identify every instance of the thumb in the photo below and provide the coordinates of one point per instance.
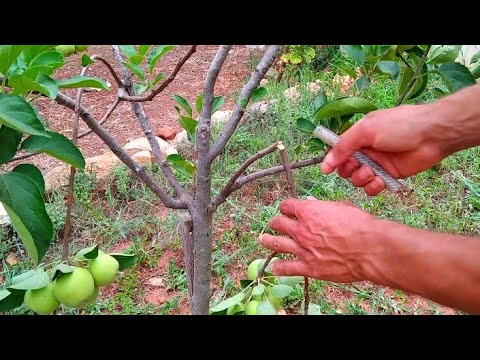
(352, 140)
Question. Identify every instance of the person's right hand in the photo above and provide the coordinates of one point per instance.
(399, 139)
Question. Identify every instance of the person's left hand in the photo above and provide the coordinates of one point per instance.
(332, 240)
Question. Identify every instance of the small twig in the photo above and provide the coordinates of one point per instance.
(103, 119)
(265, 264)
(164, 84)
(293, 193)
(227, 190)
(415, 76)
(110, 68)
(403, 59)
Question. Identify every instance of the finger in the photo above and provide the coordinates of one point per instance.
(289, 268)
(284, 225)
(280, 244)
(346, 169)
(362, 176)
(355, 138)
(290, 207)
(374, 187)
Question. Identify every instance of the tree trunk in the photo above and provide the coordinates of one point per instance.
(202, 234)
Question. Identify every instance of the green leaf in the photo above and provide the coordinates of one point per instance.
(389, 67)
(177, 162)
(17, 114)
(244, 283)
(347, 70)
(86, 60)
(9, 141)
(8, 55)
(142, 49)
(475, 58)
(316, 143)
(455, 76)
(258, 290)
(9, 301)
(139, 88)
(22, 84)
(266, 308)
(30, 52)
(33, 173)
(217, 103)
(239, 308)
(57, 146)
(305, 125)
(232, 301)
(128, 50)
(82, 81)
(475, 69)
(199, 103)
(439, 92)
(290, 280)
(61, 269)
(344, 106)
(362, 82)
(24, 205)
(258, 94)
(50, 59)
(88, 253)
(125, 260)
(313, 309)
(244, 103)
(137, 70)
(183, 103)
(320, 100)
(158, 78)
(157, 54)
(281, 291)
(31, 280)
(136, 59)
(188, 124)
(443, 53)
(356, 52)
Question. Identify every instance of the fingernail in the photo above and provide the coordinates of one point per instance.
(329, 159)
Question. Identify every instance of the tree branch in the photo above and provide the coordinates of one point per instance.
(164, 84)
(110, 67)
(273, 171)
(147, 130)
(92, 123)
(244, 97)
(415, 76)
(228, 189)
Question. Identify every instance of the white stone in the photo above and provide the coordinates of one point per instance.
(221, 117)
(291, 93)
(4, 219)
(181, 137)
(142, 144)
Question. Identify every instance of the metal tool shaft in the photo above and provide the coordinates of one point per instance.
(332, 139)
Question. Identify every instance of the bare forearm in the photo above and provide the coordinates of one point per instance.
(455, 119)
(441, 267)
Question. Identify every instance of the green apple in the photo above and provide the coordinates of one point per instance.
(42, 301)
(74, 288)
(235, 309)
(80, 48)
(104, 269)
(251, 308)
(91, 299)
(256, 265)
(65, 50)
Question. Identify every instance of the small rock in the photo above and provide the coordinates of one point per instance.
(156, 281)
(259, 47)
(169, 151)
(180, 138)
(259, 108)
(221, 117)
(291, 94)
(142, 144)
(264, 82)
(11, 259)
(143, 157)
(4, 219)
(1, 280)
(101, 165)
(57, 177)
(314, 88)
(271, 73)
(166, 133)
(282, 312)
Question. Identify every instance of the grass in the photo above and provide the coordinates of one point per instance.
(124, 211)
